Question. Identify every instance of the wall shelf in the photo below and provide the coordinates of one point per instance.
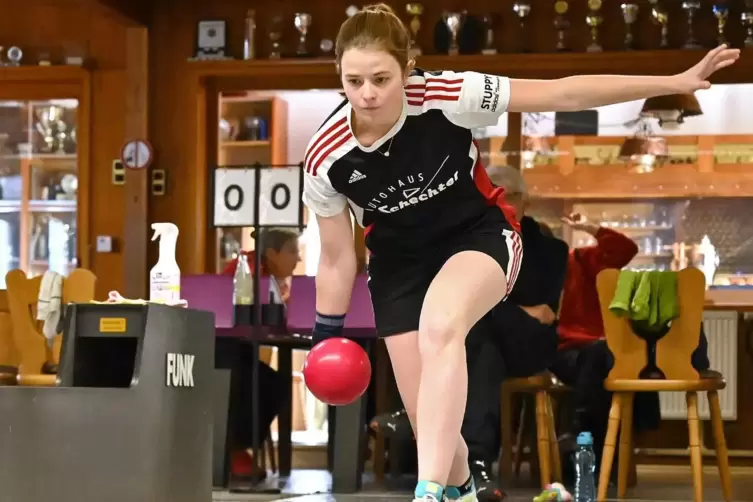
(550, 65)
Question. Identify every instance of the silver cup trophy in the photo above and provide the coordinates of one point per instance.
(453, 21)
(302, 24)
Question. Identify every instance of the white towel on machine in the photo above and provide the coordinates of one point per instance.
(50, 304)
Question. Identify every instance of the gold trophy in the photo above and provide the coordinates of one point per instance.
(415, 10)
(661, 17)
(561, 24)
(594, 20)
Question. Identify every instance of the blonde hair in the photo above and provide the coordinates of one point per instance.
(375, 26)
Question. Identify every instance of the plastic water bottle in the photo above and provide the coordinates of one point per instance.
(585, 469)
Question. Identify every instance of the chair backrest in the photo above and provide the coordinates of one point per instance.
(23, 295)
(8, 350)
(674, 350)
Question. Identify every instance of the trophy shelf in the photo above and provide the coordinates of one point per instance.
(549, 65)
(41, 74)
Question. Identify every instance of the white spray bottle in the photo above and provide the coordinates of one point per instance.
(164, 278)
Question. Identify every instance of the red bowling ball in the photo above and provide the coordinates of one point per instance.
(337, 371)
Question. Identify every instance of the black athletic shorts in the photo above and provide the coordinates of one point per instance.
(398, 285)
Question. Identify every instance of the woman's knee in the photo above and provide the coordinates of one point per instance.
(441, 330)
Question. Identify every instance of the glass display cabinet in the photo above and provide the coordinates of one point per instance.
(40, 175)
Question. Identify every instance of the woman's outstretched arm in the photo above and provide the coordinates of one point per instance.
(590, 91)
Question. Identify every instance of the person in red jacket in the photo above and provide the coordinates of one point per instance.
(580, 315)
(583, 358)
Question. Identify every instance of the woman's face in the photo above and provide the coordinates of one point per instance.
(373, 82)
(282, 263)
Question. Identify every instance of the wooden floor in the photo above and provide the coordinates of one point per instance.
(655, 484)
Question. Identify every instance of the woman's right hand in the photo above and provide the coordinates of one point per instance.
(542, 313)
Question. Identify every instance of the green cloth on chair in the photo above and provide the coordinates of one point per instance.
(627, 283)
(649, 299)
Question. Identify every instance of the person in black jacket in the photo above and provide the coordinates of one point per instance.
(517, 338)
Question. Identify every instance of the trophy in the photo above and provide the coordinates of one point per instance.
(415, 10)
(691, 7)
(52, 129)
(630, 16)
(302, 24)
(746, 19)
(661, 17)
(326, 46)
(490, 21)
(15, 55)
(453, 20)
(721, 12)
(561, 24)
(522, 10)
(594, 20)
(275, 35)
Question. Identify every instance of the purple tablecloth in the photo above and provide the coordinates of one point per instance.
(214, 293)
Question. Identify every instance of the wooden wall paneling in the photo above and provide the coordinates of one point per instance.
(107, 214)
(135, 238)
(207, 237)
(278, 131)
(128, 12)
(84, 196)
(174, 112)
(61, 28)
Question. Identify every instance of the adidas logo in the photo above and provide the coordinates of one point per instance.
(356, 176)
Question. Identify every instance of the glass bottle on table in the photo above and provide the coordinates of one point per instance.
(243, 283)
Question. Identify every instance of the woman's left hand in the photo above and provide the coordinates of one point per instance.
(697, 77)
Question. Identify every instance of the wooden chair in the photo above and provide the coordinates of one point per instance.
(8, 350)
(673, 353)
(37, 361)
(542, 386)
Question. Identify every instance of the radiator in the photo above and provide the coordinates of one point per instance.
(721, 331)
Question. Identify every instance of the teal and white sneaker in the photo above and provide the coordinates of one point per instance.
(428, 491)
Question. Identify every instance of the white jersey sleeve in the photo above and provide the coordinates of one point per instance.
(320, 197)
(318, 193)
(468, 99)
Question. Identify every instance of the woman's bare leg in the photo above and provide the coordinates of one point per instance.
(402, 350)
(469, 284)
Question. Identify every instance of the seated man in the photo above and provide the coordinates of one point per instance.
(518, 338)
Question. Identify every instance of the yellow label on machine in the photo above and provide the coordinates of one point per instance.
(112, 325)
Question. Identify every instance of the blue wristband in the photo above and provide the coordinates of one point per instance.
(327, 326)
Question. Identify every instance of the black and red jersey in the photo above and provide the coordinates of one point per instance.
(432, 184)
